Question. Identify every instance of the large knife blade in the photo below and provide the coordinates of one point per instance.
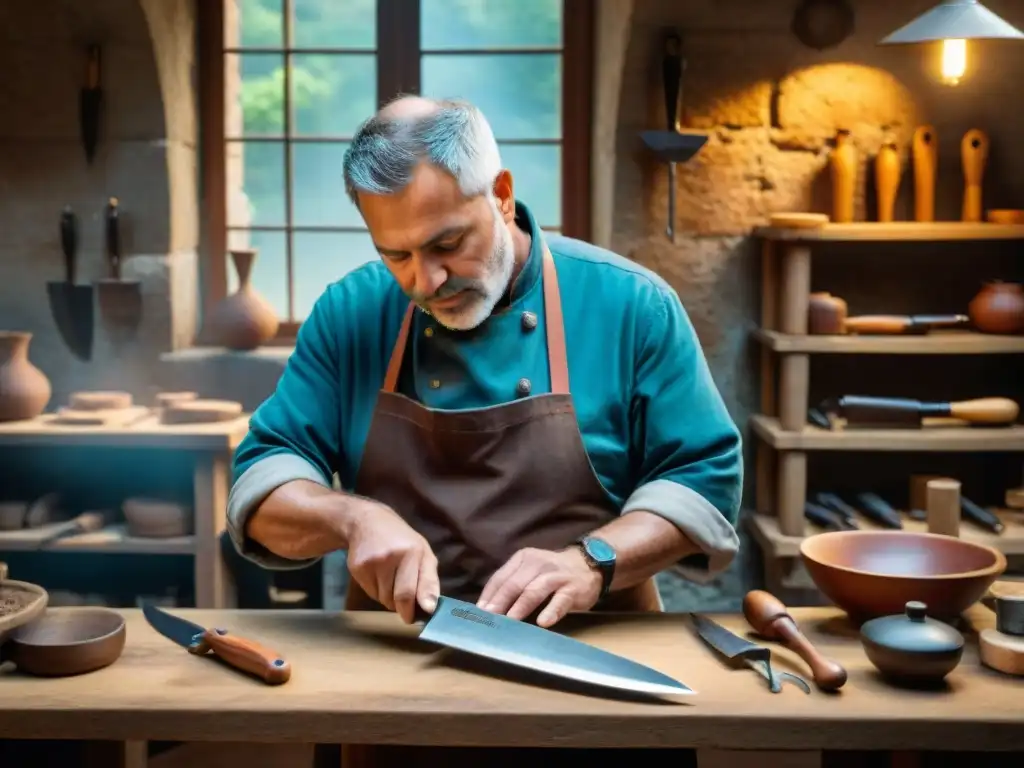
(463, 626)
(244, 655)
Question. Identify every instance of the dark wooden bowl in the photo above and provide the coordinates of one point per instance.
(876, 573)
(68, 641)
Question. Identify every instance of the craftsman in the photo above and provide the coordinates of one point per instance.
(521, 420)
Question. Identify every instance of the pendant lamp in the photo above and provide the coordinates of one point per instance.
(954, 22)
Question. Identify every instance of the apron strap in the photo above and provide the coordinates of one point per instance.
(558, 364)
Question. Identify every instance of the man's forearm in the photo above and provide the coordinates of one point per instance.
(645, 544)
(301, 520)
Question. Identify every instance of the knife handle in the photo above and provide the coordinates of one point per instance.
(768, 617)
(672, 79)
(114, 238)
(69, 241)
(92, 67)
(244, 655)
(877, 324)
(985, 410)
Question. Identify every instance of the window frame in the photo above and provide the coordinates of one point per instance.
(398, 71)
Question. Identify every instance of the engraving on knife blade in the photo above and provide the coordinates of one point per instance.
(462, 613)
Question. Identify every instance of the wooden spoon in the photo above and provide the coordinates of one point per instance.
(768, 617)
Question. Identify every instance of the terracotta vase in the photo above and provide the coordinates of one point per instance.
(887, 180)
(24, 389)
(844, 177)
(244, 320)
(998, 308)
(826, 314)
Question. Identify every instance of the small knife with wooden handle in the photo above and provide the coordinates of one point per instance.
(244, 655)
(897, 324)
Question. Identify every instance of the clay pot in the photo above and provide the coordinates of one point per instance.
(998, 308)
(843, 164)
(826, 314)
(24, 389)
(244, 320)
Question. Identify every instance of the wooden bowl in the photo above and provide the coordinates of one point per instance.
(876, 573)
(68, 641)
(156, 519)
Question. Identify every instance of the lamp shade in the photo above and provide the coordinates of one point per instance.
(954, 19)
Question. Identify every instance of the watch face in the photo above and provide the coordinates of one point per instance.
(600, 550)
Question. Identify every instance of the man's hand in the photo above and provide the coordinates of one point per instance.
(531, 576)
(392, 563)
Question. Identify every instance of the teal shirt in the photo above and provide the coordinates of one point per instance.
(647, 407)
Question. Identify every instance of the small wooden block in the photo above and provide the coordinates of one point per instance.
(164, 399)
(201, 412)
(99, 401)
(1015, 498)
(1005, 216)
(108, 417)
(798, 220)
(1004, 653)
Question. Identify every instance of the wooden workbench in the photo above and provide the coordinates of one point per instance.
(210, 445)
(366, 678)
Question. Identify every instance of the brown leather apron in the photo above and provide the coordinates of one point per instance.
(482, 484)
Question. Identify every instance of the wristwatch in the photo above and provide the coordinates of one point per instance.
(599, 555)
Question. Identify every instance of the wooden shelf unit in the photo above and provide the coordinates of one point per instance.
(784, 435)
(211, 445)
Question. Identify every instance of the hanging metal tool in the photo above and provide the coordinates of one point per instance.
(670, 145)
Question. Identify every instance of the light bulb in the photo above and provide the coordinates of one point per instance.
(954, 61)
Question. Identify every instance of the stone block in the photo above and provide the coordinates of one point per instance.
(719, 191)
(137, 174)
(815, 102)
(37, 179)
(130, 81)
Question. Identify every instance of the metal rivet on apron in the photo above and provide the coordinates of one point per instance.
(529, 321)
(523, 387)
(428, 332)
(435, 383)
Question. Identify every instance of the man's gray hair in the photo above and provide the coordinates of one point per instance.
(451, 135)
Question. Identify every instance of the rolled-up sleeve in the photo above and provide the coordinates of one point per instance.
(691, 458)
(293, 435)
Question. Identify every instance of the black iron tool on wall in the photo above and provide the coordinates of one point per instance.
(70, 304)
(120, 300)
(671, 145)
(89, 103)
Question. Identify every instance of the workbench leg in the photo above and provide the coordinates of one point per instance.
(736, 758)
(213, 584)
(116, 754)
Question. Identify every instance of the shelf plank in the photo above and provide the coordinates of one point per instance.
(935, 343)
(112, 539)
(899, 231)
(776, 544)
(946, 439)
(147, 433)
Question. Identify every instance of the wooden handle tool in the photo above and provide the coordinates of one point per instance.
(974, 154)
(925, 154)
(769, 618)
(244, 655)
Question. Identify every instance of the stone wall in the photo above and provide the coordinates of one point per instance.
(146, 158)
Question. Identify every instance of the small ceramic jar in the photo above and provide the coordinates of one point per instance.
(912, 647)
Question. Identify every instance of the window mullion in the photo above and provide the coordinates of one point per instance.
(289, 187)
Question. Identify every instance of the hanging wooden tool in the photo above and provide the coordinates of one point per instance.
(89, 103)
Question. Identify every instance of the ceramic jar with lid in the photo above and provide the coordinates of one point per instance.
(912, 647)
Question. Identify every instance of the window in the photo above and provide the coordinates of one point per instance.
(286, 83)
